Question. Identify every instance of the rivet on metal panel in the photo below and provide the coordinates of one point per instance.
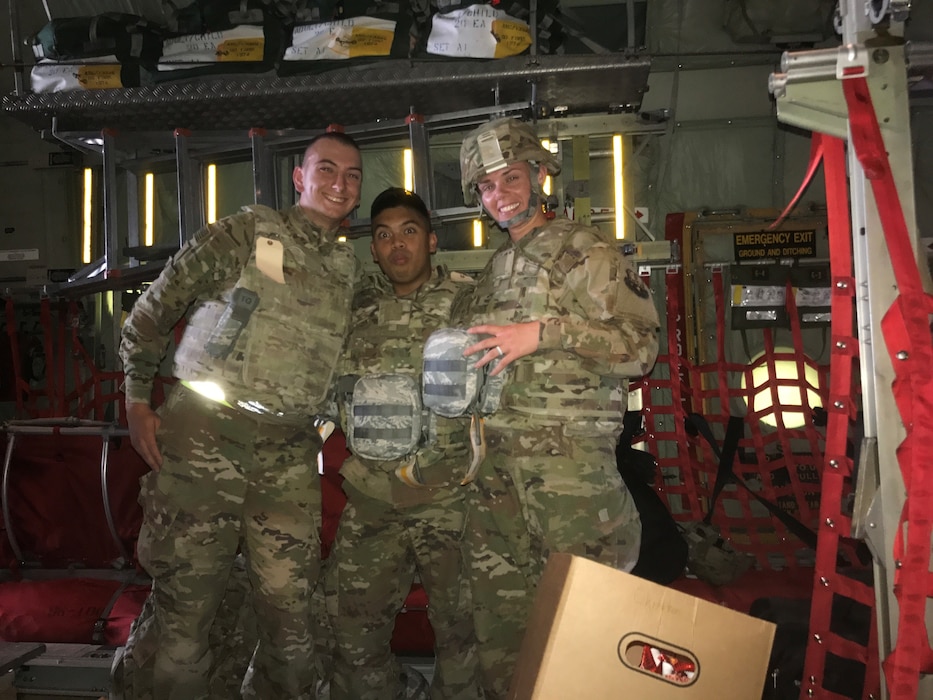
(817, 638)
(842, 284)
(898, 563)
(902, 355)
(834, 463)
(824, 581)
(838, 404)
(841, 344)
(830, 523)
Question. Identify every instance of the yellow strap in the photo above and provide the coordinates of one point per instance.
(478, 446)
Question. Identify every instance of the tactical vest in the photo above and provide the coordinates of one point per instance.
(388, 336)
(273, 344)
(525, 282)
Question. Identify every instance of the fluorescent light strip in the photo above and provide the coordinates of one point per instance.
(409, 168)
(617, 185)
(547, 180)
(477, 233)
(86, 229)
(211, 193)
(149, 206)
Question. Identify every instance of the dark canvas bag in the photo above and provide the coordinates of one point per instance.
(130, 38)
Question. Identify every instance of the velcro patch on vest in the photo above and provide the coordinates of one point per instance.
(450, 384)
(384, 416)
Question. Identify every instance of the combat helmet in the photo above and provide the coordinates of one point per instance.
(495, 145)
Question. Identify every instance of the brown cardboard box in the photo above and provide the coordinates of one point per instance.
(591, 625)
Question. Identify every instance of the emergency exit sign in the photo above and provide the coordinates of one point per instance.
(763, 245)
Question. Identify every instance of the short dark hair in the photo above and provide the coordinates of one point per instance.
(338, 136)
(400, 197)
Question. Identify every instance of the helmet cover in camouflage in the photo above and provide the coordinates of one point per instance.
(498, 144)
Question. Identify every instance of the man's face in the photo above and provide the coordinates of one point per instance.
(329, 182)
(402, 246)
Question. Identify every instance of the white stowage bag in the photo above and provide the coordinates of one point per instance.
(478, 31)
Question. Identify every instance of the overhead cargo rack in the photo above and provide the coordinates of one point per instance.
(390, 89)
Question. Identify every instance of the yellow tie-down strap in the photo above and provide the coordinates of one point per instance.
(408, 473)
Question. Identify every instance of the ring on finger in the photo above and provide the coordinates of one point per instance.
(500, 351)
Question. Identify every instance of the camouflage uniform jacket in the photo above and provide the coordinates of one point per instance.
(387, 334)
(599, 326)
(284, 356)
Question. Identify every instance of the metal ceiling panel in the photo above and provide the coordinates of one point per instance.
(358, 95)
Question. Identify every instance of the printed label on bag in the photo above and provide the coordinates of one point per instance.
(99, 77)
(243, 43)
(350, 38)
(50, 76)
(478, 31)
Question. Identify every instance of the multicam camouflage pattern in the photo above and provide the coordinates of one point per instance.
(496, 144)
(450, 383)
(379, 550)
(233, 638)
(384, 416)
(388, 335)
(711, 557)
(226, 476)
(282, 362)
(600, 325)
(539, 491)
(549, 482)
(390, 530)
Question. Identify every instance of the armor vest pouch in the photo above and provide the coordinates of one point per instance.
(384, 416)
(450, 383)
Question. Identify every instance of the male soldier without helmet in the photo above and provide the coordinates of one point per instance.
(567, 321)
(234, 448)
(405, 508)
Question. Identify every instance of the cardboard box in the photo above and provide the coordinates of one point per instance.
(598, 633)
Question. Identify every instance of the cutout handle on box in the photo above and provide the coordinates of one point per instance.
(661, 659)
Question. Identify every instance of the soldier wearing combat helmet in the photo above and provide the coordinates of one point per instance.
(566, 322)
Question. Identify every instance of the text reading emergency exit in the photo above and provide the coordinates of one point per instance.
(775, 244)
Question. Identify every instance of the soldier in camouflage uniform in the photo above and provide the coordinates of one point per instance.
(404, 516)
(233, 449)
(567, 321)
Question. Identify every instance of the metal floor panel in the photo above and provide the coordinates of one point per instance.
(357, 95)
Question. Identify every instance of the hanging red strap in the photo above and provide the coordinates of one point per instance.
(907, 334)
(20, 387)
(816, 154)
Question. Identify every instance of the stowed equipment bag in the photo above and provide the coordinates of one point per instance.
(130, 38)
(450, 384)
(384, 416)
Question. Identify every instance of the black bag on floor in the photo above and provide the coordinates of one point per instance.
(663, 552)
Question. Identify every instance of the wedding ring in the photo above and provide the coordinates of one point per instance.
(500, 351)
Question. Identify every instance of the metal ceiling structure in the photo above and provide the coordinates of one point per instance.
(369, 93)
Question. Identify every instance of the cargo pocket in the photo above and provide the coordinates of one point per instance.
(156, 543)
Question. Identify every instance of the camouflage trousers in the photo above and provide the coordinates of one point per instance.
(227, 479)
(538, 491)
(232, 640)
(379, 548)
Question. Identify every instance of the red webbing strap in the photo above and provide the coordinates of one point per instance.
(840, 410)
(721, 368)
(906, 332)
(800, 359)
(816, 154)
(681, 400)
(20, 387)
